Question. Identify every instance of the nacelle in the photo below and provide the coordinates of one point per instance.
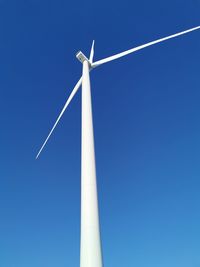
(81, 57)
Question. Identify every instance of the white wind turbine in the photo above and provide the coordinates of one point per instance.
(90, 249)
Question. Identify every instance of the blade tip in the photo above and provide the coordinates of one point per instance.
(38, 154)
(93, 42)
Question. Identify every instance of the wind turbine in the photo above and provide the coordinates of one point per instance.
(90, 247)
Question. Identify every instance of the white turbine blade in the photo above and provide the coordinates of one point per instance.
(105, 60)
(63, 110)
(92, 53)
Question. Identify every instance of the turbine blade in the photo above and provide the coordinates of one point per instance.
(105, 60)
(92, 52)
(61, 113)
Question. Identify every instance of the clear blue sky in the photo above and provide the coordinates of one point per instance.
(147, 132)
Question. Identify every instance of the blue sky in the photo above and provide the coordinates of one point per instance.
(147, 132)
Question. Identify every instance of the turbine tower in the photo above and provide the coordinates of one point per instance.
(90, 234)
(90, 247)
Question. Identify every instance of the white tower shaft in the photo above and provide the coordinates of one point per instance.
(91, 255)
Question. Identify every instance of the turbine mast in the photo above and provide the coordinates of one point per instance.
(90, 249)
